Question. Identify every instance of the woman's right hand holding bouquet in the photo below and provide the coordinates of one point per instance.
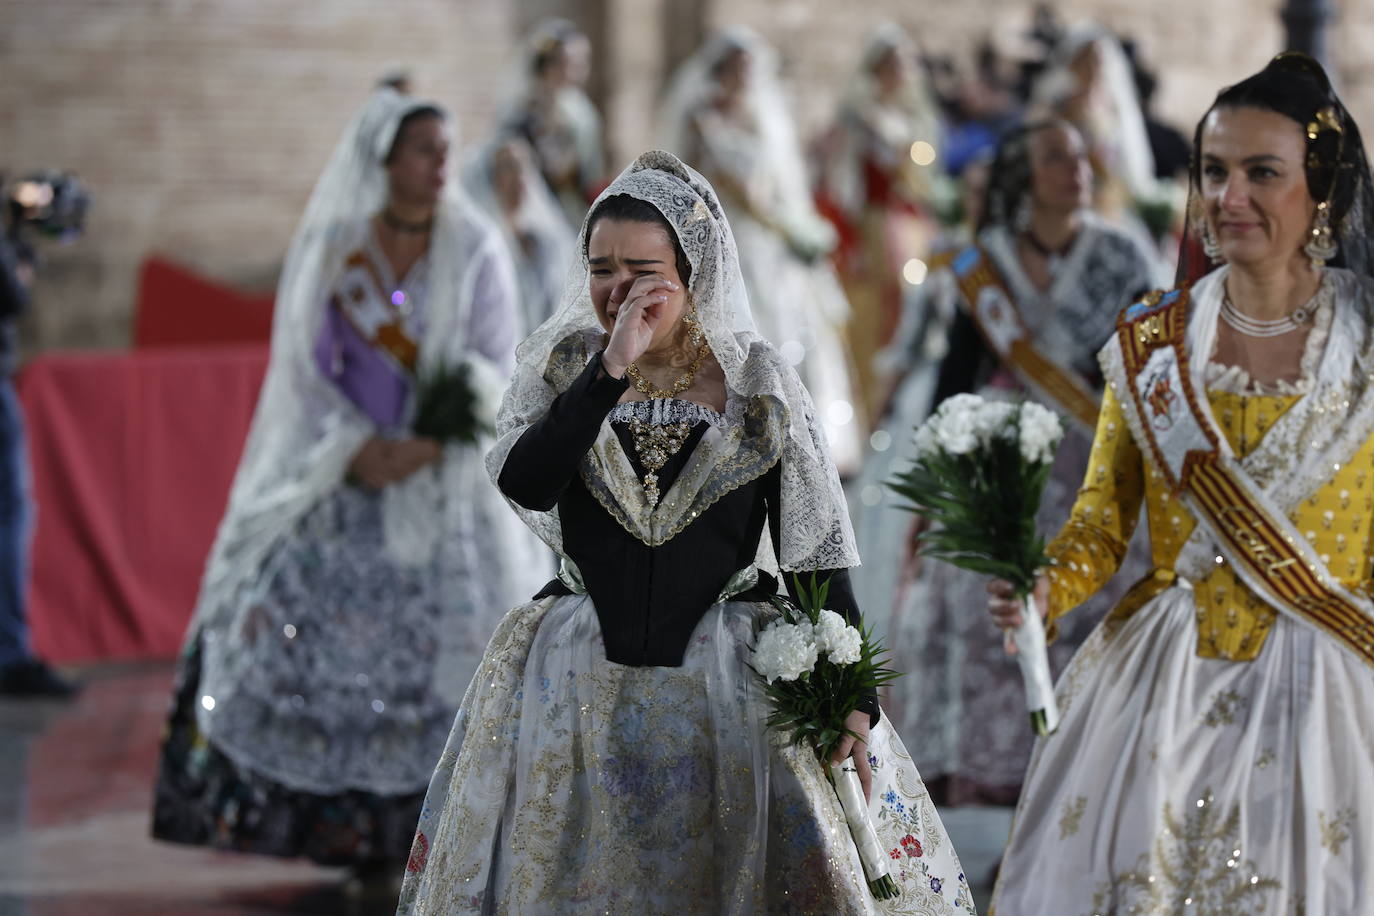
(977, 478)
(1007, 610)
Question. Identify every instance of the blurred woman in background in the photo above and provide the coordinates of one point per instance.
(549, 107)
(355, 576)
(502, 179)
(725, 115)
(1049, 274)
(880, 168)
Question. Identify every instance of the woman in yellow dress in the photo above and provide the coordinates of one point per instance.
(1218, 731)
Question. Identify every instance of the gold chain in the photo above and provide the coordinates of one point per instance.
(648, 389)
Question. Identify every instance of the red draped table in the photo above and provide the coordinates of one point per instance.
(133, 455)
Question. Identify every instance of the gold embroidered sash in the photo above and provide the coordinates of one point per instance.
(1147, 363)
(994, 312)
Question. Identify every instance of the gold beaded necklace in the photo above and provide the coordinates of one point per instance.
(649, 389)
(655, 443)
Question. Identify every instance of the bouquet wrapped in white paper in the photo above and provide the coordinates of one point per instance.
(979, 473)
(817, 669)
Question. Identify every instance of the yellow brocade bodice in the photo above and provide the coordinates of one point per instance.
(1232, 622)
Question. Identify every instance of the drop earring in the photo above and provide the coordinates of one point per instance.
(1210, 246)
(1321, 245)
(1021, 219)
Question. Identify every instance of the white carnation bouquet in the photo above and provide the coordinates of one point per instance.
(979, 473)
(818, 668)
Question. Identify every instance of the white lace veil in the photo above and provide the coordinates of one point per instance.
(844, 174)
(1120, 123)
(815, 528)
(305, 430)
(692, 89)
(540, 215)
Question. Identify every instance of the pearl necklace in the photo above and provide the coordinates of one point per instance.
(1276, 327)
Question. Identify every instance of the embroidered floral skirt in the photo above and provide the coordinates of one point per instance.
(574, 784)
(203, 798)
(1180, 784)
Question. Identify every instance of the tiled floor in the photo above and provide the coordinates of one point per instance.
(75, 789)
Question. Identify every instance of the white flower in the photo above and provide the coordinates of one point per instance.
(956, 429)
(1040, 433)
(785, 651)
(842, 643)
(956, 432)
(488, 387)
(924, 440)
(960, 404)
(990, 420)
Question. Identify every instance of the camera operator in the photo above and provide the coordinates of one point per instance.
(22, 674)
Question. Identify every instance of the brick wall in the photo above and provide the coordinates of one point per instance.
(201, 124)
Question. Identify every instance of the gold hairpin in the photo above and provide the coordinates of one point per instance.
(1323, 120)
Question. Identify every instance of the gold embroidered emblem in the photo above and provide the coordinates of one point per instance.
(1335, 831)
(1195, 866)
(1072, 816)
(1224, 709)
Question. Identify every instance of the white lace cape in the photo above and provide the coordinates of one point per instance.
(541, 275)
(815, 528)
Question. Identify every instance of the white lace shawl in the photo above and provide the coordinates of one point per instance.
(815, 528)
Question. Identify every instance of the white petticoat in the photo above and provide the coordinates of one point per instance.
(1181, 784)
(575, 784)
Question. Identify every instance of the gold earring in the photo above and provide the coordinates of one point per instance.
(694, 332)
(1321, 245)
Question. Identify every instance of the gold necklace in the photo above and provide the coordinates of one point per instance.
(655, 444)
(648, 389)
